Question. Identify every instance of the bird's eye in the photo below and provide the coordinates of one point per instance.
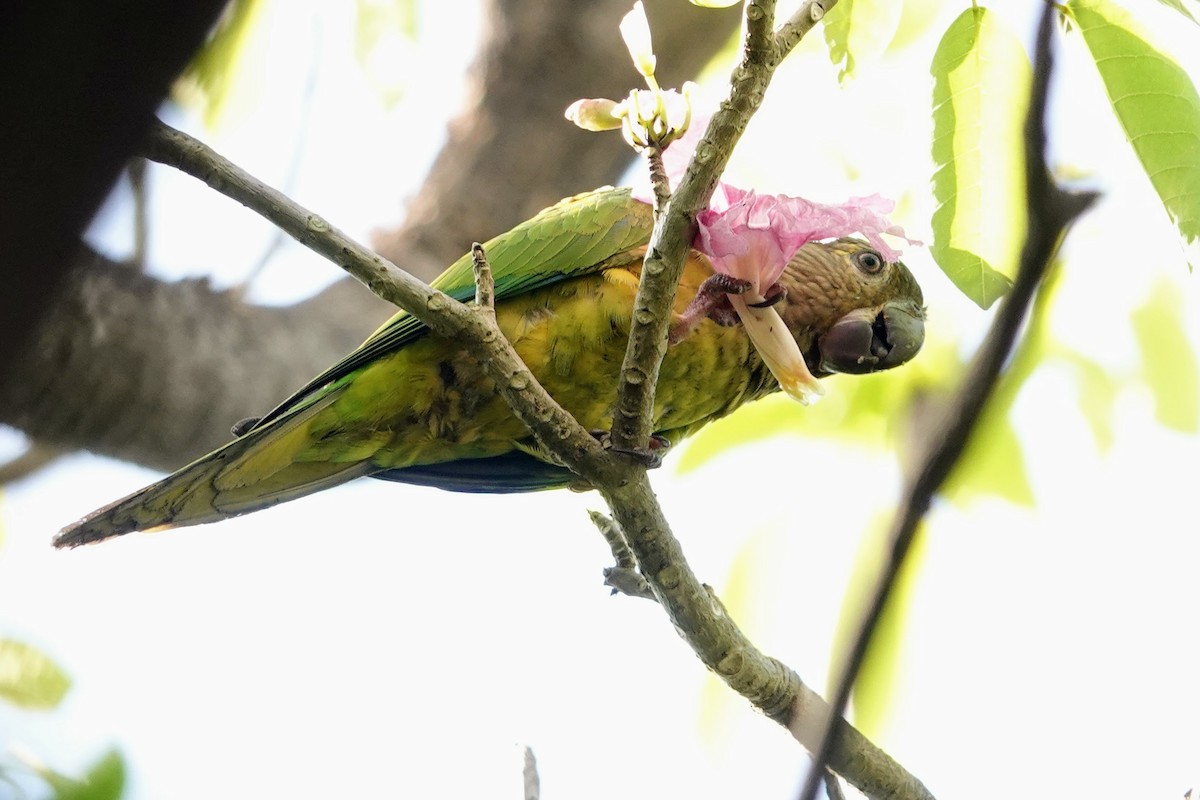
(869, 261)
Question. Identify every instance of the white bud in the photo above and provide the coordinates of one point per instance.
(635, 30)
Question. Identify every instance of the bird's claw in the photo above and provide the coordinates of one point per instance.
(774, 295)
(712, 302)
(650, 457)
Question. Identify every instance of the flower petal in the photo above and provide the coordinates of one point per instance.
(778, 350)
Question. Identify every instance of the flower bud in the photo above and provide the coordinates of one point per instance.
(635, 30)
(595, 114)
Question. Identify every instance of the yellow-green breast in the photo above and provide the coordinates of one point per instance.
(430, 401)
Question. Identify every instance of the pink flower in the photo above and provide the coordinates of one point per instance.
(754, 236)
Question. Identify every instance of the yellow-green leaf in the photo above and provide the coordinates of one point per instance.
(385, 35)
(1168, 361)
(1157, 105)
(1097, 396)
(876, 683)
(105, 780)
(28, 678)
(993, 463)
(863, 408)
(218, 69)
(858, 31)
(915, 19)
(981, 90)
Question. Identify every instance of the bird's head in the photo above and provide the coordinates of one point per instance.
(850, 309)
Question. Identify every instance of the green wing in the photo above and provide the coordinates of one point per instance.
(573, 237)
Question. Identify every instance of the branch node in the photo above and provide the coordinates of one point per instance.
(485, 286)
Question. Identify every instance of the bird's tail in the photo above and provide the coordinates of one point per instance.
(253, 472)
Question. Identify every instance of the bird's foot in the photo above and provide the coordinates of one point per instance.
(650, 457)
(712, 302)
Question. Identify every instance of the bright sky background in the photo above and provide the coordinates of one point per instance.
(385, 640)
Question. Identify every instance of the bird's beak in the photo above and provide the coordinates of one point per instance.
(869, 340)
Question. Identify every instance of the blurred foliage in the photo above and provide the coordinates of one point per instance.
(1179, 6)
(29, 678)
(749, 594)
(1156, 104)
(224, 75)
(981, 88)
(898, 409)
(859, 31)
(104, 780)
(880, 672)
(208, 82)
(1169, 367)
(385, 38)
(915, 18)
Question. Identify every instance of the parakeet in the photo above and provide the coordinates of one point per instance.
(411, 406)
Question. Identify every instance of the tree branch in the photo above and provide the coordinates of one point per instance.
(78, 82)
(1049, 211)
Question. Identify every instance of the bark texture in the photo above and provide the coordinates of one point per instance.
(78, 85)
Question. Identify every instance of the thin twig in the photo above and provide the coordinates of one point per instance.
(622, 555)
(833, 789)
(35, 457)
(1050, 212)
(141, 212)
(624, 577)
(485, 285)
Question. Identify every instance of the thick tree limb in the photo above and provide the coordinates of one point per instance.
(78, 84)
(156, 372)
(1049, 212)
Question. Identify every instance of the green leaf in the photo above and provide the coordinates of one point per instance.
(105, 780)
(28, 678)
(981, 89)
(1157, 105)
(1168, 361)
(859, 31)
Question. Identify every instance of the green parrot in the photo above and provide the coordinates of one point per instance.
(411, 406)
